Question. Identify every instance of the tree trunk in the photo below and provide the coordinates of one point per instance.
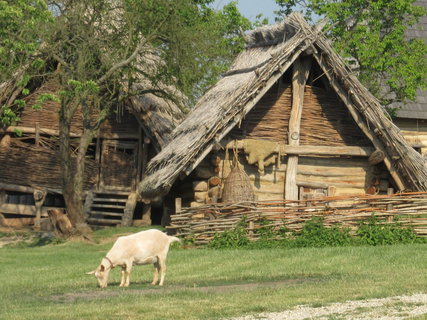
(72, 180)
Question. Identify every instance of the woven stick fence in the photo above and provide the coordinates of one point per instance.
(202, 223)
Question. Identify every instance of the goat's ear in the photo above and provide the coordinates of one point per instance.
(101, 268)
(91, 272)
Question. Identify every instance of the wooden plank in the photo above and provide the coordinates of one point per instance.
(26, 210)
(314, 150)
(328, 151)
(301, 71)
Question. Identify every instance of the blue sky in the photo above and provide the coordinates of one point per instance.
(250, 8)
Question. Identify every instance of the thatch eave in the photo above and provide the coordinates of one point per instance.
(251, 75)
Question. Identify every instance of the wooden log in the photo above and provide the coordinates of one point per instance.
(214, 181)
(5, 142)
(301, 71)
(16, 222)
(178, 205)
(327, 150)
(60, 222)
(376, 157)
(214, 192)
(200, 185)
(200, 196)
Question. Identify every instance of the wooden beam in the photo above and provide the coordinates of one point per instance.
(301, 70)
(37, 128)
(314, 150)
(307, 150)
(52, 132)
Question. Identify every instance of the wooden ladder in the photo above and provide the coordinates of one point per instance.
(109, 208)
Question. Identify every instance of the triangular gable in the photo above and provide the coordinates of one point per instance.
(254, 72)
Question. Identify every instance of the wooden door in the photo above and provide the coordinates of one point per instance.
(118, 164)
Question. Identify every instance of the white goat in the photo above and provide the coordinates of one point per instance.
(145, 247)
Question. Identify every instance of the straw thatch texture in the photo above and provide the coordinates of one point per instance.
(255, 71)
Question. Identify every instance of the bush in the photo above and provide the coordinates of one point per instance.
(315, 234)
(374, 233)
(234, 238)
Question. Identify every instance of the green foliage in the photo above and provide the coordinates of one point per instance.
(314, 234)
(21, 22)
(374, 233)
(373, 33)
(234, 238)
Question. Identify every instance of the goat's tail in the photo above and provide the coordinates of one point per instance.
(174, 239)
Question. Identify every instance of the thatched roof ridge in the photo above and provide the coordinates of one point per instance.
(157, 115)
(254, 71)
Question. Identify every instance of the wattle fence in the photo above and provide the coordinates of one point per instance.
(202, 223)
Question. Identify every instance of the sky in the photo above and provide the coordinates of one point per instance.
(250, 8)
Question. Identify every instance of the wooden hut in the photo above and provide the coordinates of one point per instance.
(30, 177)
(294, 119)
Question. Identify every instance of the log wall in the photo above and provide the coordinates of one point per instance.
(415, 133)
(316, 177)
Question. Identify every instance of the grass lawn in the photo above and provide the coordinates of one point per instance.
(49, 282)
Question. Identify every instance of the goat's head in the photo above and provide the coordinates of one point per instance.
(101, 274)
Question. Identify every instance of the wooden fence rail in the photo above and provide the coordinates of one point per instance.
(202, 223)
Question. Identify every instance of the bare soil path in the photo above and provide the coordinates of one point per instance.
(391, 308)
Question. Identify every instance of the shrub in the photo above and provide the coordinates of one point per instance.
(373, 232)
(234, 238)
(315, 234)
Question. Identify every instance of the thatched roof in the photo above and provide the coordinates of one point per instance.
(270, 52)
(157, 114)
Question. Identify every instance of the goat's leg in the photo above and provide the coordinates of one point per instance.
(127, 269)
(156, 273)
(122, 282)
(162, 264)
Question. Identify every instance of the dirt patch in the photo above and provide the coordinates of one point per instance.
(13, 239)
(391, 308)
(103, 293)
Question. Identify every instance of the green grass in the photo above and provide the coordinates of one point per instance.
(49, 282)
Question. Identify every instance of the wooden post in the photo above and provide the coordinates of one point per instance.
(39, 197)
(178, 205)
(37, 134)
(390, 191)
(301, 71)
(2, 197)
(145, 155)
(146, 214)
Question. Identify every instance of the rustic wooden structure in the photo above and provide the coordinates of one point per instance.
(30, 177)
(302, 124)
